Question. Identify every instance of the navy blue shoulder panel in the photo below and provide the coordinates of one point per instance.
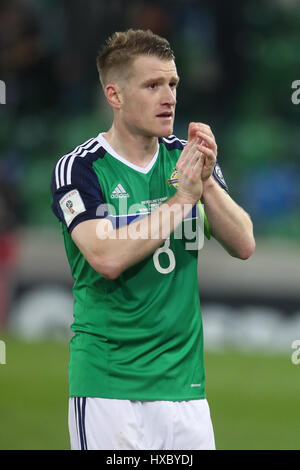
(172, 142)
(75, 188)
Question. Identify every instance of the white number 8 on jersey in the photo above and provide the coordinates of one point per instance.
(164, 249)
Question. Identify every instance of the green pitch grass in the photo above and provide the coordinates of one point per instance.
(33, 404)
(254, 399)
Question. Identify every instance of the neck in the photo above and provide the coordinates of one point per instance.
(135, 148)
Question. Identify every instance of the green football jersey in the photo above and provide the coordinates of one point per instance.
(139, 336)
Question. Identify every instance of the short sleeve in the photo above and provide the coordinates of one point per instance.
(77, 198)
(218, 176)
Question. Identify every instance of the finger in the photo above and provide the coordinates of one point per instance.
(183, 154)
(198, 161)
(198, 167)
(202, 125)
(206, 172)
(197, 126)
(205, 132)
(187, 169)
(208, 167)
(192, 130)
(207, 135)
(194, 158)
(187, 153)
(210, 156)
(208, 138)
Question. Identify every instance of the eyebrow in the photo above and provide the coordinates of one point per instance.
(161, 78)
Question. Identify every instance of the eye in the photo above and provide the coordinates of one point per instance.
(152, 86)
(173, 84)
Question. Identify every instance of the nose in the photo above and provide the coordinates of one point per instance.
(169, 96)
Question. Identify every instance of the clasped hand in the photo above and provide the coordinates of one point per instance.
(196, 162)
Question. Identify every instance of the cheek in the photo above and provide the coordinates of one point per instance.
(138, 111)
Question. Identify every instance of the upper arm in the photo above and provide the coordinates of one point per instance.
(78, 198)
(77, 201)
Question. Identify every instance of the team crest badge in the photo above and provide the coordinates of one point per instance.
(173, 180)
(69, 205)
(219, 176)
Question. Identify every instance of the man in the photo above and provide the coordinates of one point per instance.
(136, 372)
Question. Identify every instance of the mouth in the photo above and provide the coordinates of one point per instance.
(166, 116)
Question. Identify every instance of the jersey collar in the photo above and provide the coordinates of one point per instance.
(114, 154)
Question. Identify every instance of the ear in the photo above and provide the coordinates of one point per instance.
(114, 95)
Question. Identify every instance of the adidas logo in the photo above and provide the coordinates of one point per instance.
(119, 192)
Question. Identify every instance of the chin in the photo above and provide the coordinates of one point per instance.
(166, 132)
(162, 131)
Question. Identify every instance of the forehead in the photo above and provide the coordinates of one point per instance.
(147, 67)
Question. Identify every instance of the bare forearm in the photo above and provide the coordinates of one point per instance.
(132, 243)
(229, 223)
(110, 251)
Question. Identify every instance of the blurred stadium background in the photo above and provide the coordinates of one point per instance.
(237, 62)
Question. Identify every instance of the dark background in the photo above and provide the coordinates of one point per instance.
(237, 61)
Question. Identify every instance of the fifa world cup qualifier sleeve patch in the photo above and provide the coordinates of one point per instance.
(71, 205)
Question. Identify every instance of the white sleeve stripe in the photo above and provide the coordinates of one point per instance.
(61, 163)
(71, 161)
(78, 148)
(170, 137)
(62, 171)
(170, 141)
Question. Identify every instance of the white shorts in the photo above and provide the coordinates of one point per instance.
(111, 424)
